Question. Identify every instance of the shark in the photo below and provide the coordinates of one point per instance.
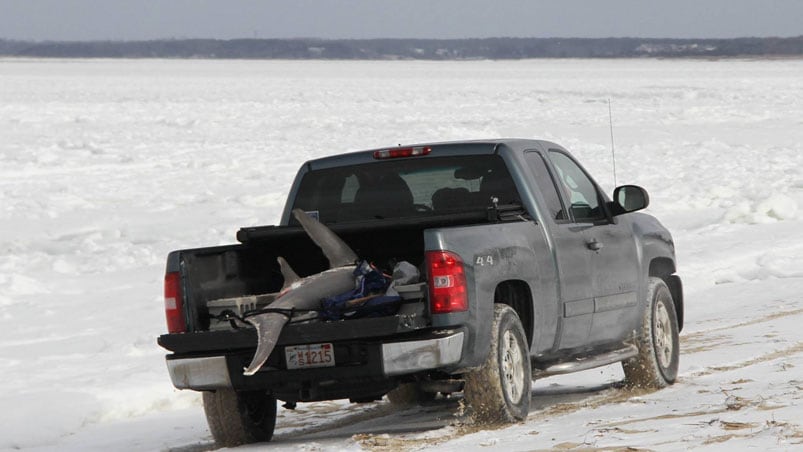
(303, 293)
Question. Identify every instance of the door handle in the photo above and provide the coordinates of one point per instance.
(594, 245)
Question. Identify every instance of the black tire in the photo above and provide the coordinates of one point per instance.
(409, 394)
(499, 391)
(237, 418)
(656, 365)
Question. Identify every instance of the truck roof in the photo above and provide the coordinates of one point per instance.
(443, 148)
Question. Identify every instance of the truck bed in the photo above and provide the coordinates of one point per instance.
(250, 268)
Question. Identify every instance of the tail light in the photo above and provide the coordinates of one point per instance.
(447, 282)
(174, 311)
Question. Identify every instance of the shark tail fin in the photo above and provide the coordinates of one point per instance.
(268, 326)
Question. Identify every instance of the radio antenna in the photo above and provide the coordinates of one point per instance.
(613, 149)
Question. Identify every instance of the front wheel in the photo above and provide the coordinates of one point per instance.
(499, 391)
(656, 364)
(237, 418)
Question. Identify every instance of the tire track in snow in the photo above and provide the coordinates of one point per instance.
(546, 404)
(786, 352)
(549, 405)
(701, 335)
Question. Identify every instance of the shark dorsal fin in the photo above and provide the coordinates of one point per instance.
(333, 247)
(289, 275)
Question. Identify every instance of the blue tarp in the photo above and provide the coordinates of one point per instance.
(368, 282)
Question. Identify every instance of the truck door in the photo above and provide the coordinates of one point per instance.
(575, 303)
(615, 282)
(611, 248)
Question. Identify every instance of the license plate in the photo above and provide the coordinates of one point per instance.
(312, 355)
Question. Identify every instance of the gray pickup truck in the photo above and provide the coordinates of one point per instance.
(527, 270)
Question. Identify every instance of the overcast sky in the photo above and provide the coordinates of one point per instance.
(227, 19)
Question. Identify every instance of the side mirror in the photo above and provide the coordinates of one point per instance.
(629, 198)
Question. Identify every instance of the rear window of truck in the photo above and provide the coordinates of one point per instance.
(406, 188)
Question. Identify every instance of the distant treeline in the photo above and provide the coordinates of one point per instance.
(420, 49)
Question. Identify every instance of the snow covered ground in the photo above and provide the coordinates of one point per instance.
(107, 165)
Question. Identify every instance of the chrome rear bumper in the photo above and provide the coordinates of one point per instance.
(408, 357)
(199, 373)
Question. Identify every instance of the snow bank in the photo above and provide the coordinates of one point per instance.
(774, 208)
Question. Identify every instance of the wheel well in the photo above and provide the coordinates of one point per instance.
(664, 268)
(517, 295)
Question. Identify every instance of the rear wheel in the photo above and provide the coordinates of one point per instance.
(237, 418)
(499, 391)
(656, 364)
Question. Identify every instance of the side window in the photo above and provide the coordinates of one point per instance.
(546, 184)
(578, 189)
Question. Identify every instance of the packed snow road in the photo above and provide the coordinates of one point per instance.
(106, 165)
